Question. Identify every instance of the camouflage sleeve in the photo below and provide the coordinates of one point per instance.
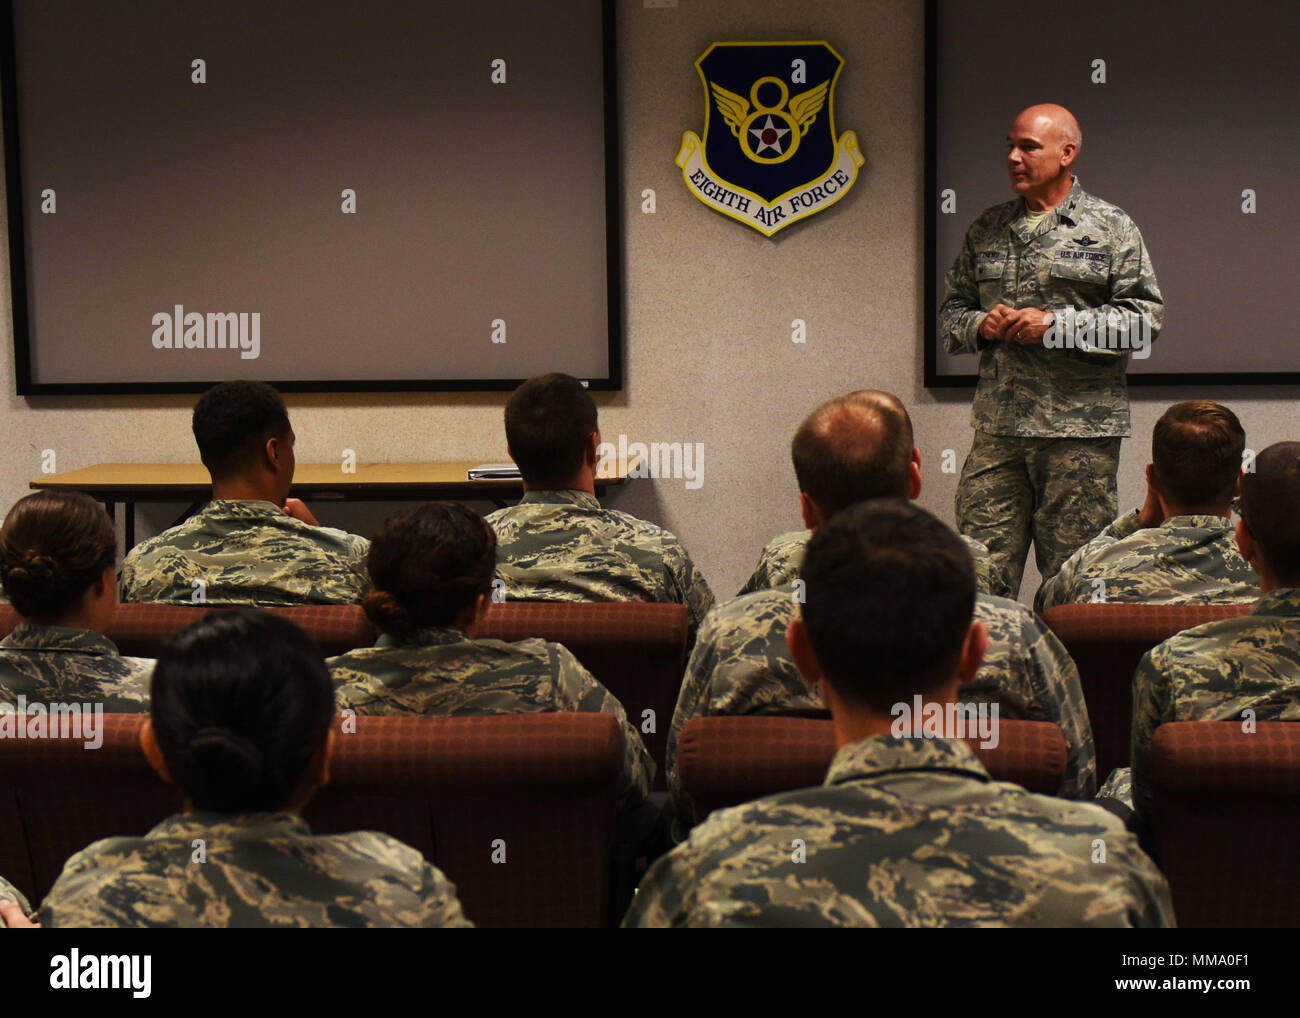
(358, 554)
(1126, 526)
(1054, 674)
(127, 588)
(983, 565)
(692, 590)
(1153, 907)
(1133, 292)
(10, 893)
(961, 315)
(1151, 706)
(1064, 587)
(758, 579)
(692, 701)
(577, 689)
(441, 906)
(662, 898)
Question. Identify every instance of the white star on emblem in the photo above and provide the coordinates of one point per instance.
(768, 136)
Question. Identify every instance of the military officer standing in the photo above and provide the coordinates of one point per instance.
(1052, 290)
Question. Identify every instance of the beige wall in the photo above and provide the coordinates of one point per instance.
(709, 303)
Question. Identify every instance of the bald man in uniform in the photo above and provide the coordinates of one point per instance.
(1053, 290)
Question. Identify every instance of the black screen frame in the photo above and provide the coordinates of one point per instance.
(935, 380)
(19, 297)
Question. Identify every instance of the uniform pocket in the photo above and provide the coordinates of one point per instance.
(1093, 271)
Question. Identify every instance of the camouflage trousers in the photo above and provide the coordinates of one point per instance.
(1057, 492)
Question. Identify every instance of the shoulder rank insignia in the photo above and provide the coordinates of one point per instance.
(769, 156)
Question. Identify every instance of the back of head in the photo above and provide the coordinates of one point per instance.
(549, 421)
(1196, 454)
(53, 546)
(232, 422)
(241, 702)
(853, 448)
(428, 563)
(890, 593)
(1270, 508)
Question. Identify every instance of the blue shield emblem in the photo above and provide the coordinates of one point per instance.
(769, 156)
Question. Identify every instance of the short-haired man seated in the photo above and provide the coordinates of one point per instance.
(908, 830)
(1179, 547)
(558, 544)
(251, 544)
(1218, 671)
(853, 448)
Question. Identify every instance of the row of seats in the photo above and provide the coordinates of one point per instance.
(637, 651)
(518, 810)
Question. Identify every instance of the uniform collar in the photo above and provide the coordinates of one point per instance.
(879, 755)
(568, 496)
(1068, 210)
(1285, 601)
(254, 826)
(60, 639)
(244, 508)
(429, 636)
(1198, 522)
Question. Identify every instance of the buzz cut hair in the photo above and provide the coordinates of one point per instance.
(232, 422)
(1270, 495)
(549, 421)
(1196, 451)
(888, 601)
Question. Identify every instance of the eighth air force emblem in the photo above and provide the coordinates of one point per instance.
(769, 156)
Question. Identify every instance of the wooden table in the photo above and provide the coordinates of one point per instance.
(130, 483)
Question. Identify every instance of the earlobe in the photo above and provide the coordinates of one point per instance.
(808, 512)
(801, 652)
(972, 654)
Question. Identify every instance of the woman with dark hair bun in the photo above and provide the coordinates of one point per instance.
(432, 566)
(57, 553)
(242, 722)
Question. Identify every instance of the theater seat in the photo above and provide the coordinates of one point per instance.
(1106, 642)
(724, 761)
(636, 650)
(1225, 821)
(140, 629)
(540, 787)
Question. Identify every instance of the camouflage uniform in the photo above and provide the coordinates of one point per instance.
(1048, 421)
(905, 832)
(779, 562)
(441, 672)
(740, 665)
(562, 546)
(248, 552)
(261, 870)
(57, 664)
(1214, 672)
(1185, 560)
(10, 893)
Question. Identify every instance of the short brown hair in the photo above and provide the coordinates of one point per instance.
(853, 448)
(549, 420)
(1270, 495)
(1196, 453)
(53, 546)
